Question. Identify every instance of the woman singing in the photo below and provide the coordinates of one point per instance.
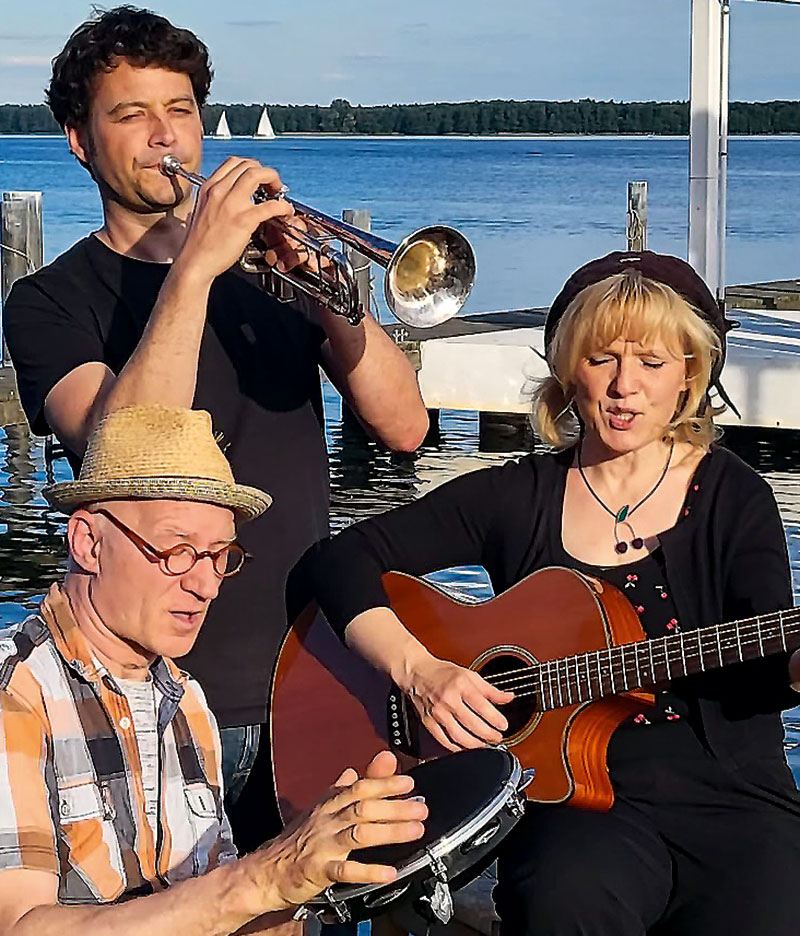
(704, 834)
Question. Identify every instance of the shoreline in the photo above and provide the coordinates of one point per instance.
(448, 136)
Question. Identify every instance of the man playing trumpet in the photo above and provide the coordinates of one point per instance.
(153, 307)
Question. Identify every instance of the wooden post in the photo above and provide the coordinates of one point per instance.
(10, 408)
(636, 227)
(434, 434)
(20, 240)
(505, 432)
(360, 218)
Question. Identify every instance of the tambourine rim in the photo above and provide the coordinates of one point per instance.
(437, 850)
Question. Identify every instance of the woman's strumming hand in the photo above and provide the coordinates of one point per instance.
(456, 705)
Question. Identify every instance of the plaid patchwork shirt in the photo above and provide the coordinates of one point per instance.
(71, 794)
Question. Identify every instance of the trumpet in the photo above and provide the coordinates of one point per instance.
(429, 274)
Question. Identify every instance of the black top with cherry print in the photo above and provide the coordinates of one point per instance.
(644, 584)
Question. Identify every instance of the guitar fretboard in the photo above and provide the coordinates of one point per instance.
(650, 663)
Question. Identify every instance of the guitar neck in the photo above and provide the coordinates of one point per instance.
(649, 663)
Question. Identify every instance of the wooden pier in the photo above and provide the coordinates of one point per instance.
(490, 363)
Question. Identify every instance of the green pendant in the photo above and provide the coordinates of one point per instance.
(622, 513)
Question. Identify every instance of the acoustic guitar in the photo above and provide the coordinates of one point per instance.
(571, 648)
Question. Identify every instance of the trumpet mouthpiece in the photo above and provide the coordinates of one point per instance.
(170, 165)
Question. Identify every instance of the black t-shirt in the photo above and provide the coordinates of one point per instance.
(258, 376)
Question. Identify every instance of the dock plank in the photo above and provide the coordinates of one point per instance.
(777, 295)
(490, 362)
(462, 325)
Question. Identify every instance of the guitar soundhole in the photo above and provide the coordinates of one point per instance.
(506, 672)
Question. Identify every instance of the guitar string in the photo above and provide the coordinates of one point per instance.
(721, 643)
(735, 630)
(569, 672)
(563, 686)
(575, 671)
(678, 647)
(569, 689)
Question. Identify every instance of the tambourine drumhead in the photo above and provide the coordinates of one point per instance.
(457, 788)
(473, 802)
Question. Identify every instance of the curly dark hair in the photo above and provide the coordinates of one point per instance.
(142, 38)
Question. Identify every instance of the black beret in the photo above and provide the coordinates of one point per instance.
(663, 268)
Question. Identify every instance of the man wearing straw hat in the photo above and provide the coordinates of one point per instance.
(110, 808)
(153, 307)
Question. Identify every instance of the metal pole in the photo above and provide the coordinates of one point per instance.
(709, 98)
(636, 225)
(20, 241)
(724, 113)
(360, 218)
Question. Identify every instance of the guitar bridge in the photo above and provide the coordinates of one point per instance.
(402, 723)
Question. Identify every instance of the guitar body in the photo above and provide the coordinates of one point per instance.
(331, 710)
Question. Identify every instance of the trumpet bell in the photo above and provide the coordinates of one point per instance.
(429, 276)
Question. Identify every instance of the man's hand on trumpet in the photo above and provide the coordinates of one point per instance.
(286, 253)
(225, 217)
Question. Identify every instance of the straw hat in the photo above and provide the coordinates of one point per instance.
(156, 452)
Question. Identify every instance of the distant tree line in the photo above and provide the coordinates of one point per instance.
(474, 117)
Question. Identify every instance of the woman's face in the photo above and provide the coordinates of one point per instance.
(627, 392)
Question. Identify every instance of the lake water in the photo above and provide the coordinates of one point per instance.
(533, 208)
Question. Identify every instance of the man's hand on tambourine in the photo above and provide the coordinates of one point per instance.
(312, 853)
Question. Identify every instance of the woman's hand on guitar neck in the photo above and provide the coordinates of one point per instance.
(456, 705)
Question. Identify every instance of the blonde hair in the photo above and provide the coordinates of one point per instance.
(631, 306)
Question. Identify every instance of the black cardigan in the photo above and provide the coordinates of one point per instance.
(725, 559)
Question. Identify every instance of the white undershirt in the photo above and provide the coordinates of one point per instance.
(141, 696)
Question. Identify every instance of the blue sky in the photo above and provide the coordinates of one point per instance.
(379, 51)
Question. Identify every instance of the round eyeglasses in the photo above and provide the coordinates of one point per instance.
(180, 559)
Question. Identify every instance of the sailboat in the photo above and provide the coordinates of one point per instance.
(264, 129)
(223, 131)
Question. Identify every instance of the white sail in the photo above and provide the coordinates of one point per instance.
(264, 129)
(223, 131)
